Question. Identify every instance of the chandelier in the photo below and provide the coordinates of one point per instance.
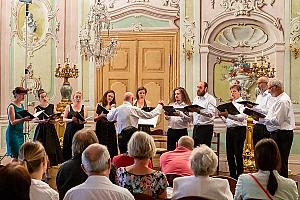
(92, 45)
(262, 67)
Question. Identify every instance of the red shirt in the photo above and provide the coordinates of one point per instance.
(124, 160)
(176, 162)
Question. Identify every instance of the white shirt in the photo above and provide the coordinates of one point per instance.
(204, 186)
(280, 115)
(40, 190)
(247, 188)
(128, 115)
(239, 119)
(209, 103)
(98, 187)
(264, 101)
(179, 122)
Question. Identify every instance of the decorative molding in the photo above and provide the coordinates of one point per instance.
(138, 27)
(242, 35)
(137, 1)
(295, 30)
(189, 35)
(212, 2)
(171, 3)
(272, 2)
(242, 7)
(45, 27)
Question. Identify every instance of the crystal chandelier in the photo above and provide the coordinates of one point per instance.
(92, 44)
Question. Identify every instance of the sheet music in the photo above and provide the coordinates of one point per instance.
(90, 117)
(151, 122)
(38, 113)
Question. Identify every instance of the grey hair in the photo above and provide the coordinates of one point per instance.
(82, 139)
(141, 145)
(203, 161)
(186, 141)
(276, 82)
(96, 161)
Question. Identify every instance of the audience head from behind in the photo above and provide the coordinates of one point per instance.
(34, 157)
(141, 146)
(96, 160)
(187, 142)
(81, 140)
(267, 158)
(124, 138)
(203, 161)
(15, 182)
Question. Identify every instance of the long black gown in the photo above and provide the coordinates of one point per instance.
(70, 131)
(107, 135)
(47, 135)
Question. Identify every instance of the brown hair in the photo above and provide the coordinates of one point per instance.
(41, 91)
(19, 90)
(267, 158)
(185, 96)
(82, 139)
(15, 182)
(104, 98)
(139, 89)
(237, 87)
(32, 154)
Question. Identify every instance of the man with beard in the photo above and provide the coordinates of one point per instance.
(204, 120)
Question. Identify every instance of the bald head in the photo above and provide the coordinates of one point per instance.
(187, 142)
(128, 96)
(96, 159)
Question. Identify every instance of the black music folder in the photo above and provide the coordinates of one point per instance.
(193, 108)
(54, 116)
(25, 113)
(170, 111)
(148, 109)
(78, 116)
(231, 109)
(253, 113)
(246, 103)
(101, 109)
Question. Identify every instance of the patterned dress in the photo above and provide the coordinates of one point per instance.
(150, 184)
(14, 134)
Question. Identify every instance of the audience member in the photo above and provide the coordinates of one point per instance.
(177, 161)
(15, 182)
(35, 159)
(96, 163)
(203, 162)
(70, 173)
(139, 178)
(124, 160)
(266, 183)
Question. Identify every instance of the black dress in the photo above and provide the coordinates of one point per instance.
(107, 135)
(47, 135)
(143, 127)
(70, 131)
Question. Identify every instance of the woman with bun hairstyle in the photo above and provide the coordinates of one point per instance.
(45, 131)
(14, 131)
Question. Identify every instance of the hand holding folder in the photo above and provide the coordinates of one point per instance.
(101, 109)
(248, 104)
(229, 107)
(170, 111)
(26, 114)
(256, 115)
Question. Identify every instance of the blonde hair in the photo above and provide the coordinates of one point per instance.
(76, 92)
(32, 154)
(141, 145)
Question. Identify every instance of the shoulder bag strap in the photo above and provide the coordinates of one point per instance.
(263, 189)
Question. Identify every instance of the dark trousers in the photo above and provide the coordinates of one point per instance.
(284, 140)
(202, 134)
(173, 135)
(235, 138)
(260, 132)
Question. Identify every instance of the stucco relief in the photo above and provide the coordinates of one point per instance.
(242, 7)
(172, 3)
(41, 24)
(295, 30)
(242, 35)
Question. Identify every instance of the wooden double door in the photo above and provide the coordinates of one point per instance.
(142, 59)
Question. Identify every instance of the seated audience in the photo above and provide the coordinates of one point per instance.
(15, 182)
(266, 183)
(96, 163)
(203, 162)
(70, 173)
(34, 157)
(177, 161)
(124, 160)
(139, 178)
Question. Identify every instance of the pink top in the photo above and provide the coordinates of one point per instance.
(176, 162)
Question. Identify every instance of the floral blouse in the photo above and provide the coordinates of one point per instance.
(151, 184)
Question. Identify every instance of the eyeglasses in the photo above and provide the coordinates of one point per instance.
(269, 88)
(261, 82)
